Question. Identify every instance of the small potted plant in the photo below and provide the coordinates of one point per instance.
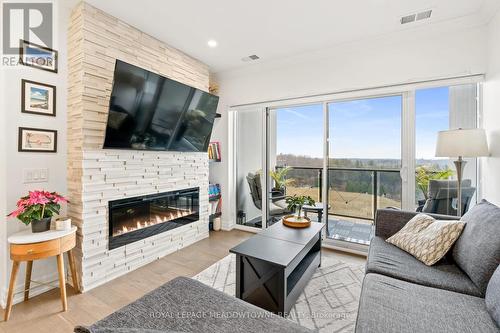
(295, 204)
(280, 179)
(37, 208)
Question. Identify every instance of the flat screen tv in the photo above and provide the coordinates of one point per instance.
(150, 112)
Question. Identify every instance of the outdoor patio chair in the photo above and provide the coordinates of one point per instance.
(277, 205)
(442, 197)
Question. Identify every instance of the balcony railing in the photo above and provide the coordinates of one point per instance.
(352, 192)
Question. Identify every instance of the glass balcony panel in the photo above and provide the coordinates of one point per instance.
(389, 189)
(350, 193)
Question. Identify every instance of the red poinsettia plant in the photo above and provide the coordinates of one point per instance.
(38, 205)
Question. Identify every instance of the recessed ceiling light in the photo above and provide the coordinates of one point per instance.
(212, 43)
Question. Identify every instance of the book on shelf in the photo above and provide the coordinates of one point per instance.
(214, 196)
(214, 153)
(213, 191)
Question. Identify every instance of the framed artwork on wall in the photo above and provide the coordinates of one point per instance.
(37, 140)
(38, 56)
(38, 98)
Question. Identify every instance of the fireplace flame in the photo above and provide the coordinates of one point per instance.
(156, 219)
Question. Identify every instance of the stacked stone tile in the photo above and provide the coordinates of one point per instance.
(96, 176)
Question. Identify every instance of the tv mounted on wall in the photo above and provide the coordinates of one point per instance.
(148, 111)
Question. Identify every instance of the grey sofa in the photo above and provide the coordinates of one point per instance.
(461, 293)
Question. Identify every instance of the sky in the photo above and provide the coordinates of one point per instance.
(40, 94)
(368, 128)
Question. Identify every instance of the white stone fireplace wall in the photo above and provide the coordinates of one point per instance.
(96, 176)
(117, 174)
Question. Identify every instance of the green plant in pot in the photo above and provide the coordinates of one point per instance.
(425, 174)
(295, 204)
(37, 209)
(280, 179)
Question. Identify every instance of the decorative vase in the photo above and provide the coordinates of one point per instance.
(41, 225)
(217, 224)
(62, 224)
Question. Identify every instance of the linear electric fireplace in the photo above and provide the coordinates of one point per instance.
(133, 219)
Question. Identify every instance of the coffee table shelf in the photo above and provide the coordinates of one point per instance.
(309, 263)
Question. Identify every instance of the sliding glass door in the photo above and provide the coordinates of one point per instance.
(295, 154)
(352, 155)
(364, 164)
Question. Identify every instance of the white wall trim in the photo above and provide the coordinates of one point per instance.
(247, 228)
(408, 162)
(362, 92)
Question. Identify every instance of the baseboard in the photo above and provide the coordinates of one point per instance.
(35, 289)
(228, 226)
(343, 246)
(246, 228)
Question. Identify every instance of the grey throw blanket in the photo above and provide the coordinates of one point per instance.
(82, 329)
(186, 305)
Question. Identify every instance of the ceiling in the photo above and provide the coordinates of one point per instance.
(275, 29)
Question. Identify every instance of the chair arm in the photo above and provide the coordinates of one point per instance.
(390, 221)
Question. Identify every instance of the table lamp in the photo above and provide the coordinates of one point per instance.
(461, 143)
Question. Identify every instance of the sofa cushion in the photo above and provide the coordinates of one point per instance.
(387, 259)
(493, 296)
(389, 305)
(477, 251)
(426, 238)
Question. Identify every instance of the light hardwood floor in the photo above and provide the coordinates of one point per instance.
(43, 313)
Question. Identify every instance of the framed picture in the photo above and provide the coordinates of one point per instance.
(37, 140)
(38, 56)
(38, 98)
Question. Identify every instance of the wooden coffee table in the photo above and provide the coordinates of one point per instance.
(273, 267)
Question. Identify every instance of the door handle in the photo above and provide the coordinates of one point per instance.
(403, 173)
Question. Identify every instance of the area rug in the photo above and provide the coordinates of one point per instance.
(329, 303)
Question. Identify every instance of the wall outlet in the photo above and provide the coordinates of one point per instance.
(35, 176)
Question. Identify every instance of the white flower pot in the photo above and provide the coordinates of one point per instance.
(63, 224)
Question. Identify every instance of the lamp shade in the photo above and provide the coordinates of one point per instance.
(462, 142)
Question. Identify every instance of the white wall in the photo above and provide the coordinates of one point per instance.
(3, 192)
(491, 120)
(399, 58)
(16, 162)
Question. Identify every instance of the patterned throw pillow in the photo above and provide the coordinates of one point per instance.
(426, 238)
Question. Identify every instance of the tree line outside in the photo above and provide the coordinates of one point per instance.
(351, 191)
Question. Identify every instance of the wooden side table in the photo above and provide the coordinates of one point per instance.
(28, 246)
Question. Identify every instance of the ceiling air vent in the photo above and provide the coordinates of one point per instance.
(426, 14)
(250, 58)
(408, 19)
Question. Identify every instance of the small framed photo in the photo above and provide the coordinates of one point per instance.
(38, 98)
(37, 140)
(38, 56)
